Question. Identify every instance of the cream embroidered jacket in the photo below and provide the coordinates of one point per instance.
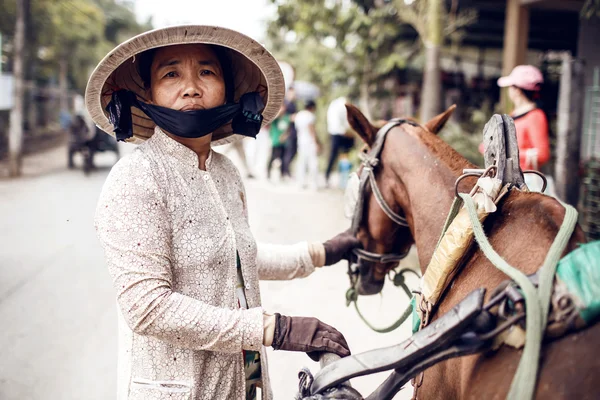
(170, 232)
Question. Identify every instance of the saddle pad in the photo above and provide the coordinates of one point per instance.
(580, 272)
(446, 258)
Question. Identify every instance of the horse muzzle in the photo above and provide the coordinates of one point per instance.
(367, 284)
(366, 265)
(369, 287)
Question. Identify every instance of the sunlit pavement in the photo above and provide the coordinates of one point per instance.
(57, 307)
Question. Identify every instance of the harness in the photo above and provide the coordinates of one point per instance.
(554, 306)
(370, 161)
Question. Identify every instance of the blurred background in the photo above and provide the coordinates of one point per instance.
(390, 58)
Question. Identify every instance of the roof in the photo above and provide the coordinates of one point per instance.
(553, 24)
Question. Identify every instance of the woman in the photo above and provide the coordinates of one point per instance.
(172, 218)
(524, 84)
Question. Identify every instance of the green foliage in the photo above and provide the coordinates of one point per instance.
(432, 21)
(466, 143)
(355, 46)
(590, 9)
(345, 47)
(79, 31)
(337, 44)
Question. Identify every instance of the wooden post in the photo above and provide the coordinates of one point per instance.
(516, 37)
(570, 115)
(15, 130)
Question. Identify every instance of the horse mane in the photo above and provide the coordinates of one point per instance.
(444, 152)
(535, 203)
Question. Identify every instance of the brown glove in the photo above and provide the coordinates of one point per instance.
(340, 247)
(308, 335)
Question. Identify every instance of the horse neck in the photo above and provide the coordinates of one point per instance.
(428, 168)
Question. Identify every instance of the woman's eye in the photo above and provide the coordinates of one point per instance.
(206, 72)
(171, 74)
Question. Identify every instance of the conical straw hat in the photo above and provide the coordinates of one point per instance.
(254, 70)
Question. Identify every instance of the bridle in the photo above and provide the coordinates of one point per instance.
(370, 161)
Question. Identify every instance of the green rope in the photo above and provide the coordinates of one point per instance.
(352, 296)
(524, 382)
(548, 269)
(407, 313)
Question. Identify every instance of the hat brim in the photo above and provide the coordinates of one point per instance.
(505, 81)
(254, 70)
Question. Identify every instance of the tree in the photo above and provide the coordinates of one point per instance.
(339, 44)
(428, 17)
(70, 35)
(362, 40)
(590, 9)
(75, 27)
(15, 138)
(65, 40)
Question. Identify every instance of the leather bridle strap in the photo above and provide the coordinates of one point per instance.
(369, 162)
(379, 258)
(398, 219)
(367, 176)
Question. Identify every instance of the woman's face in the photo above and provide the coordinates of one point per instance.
(186, 77)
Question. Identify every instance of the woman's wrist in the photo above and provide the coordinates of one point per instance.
(317, 254)
(268, 329)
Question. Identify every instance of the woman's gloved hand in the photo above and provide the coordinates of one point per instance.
(308, 335)
(340, 247)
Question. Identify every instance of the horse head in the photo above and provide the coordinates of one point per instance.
(386, 238)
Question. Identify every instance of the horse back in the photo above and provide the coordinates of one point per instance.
(521, 231)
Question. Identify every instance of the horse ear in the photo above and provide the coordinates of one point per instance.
(436, 124)
(361, 125)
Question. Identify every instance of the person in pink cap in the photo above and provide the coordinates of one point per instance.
(524, 84)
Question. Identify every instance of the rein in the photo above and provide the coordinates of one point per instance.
(537, 302)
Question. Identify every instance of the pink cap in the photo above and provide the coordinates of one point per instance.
(525, 77)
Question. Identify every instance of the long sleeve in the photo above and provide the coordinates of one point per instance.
(280, 262)
(133, 226)
(283, 262)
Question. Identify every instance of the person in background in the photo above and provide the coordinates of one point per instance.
(344, 169)
(278, 131)
(524, 84)
(65, 119)
(337, 126)
(291, 142)
(78, 137)
(238, 146)
(308, 146)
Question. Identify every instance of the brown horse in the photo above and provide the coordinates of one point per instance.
(416, 176)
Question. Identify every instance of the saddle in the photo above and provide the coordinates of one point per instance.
(502, 159)
(502, 150)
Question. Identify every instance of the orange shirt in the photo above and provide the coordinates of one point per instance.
(532, 133)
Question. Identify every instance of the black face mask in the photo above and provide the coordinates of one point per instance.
(245, 116)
